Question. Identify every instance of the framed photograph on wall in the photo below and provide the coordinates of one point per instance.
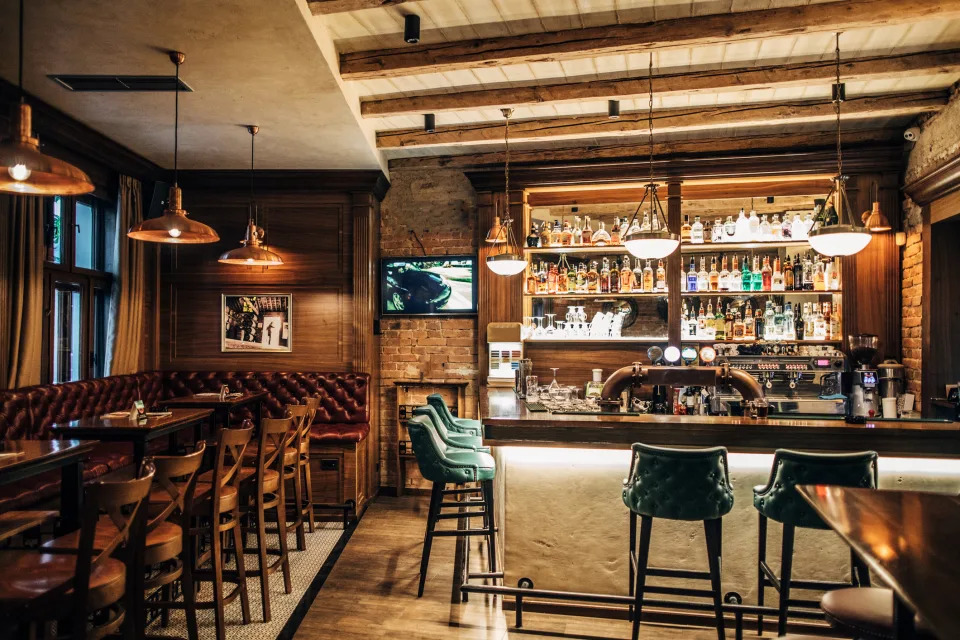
(256, 322)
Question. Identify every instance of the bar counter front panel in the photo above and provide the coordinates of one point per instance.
(560, 477)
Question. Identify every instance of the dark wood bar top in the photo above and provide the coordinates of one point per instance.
(507, 421)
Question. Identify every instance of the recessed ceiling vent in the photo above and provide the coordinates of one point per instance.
(119, 83)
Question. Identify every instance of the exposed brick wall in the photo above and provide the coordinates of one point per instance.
(440, 206)
(911, 294)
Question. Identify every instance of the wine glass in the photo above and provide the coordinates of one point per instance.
(551, 330)
(554, 385)
(538, 326)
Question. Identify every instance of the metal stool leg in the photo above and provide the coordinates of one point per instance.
(491, 527)
(786, 568)
(761, 576)
(713, 531)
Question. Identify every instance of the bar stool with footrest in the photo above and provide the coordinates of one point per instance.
(451, 438)
(443, 465)
(80, 576)
(779, 501)
(303, 465)
(455, 424)
(217, 498)
(677, 484)
(299, 502)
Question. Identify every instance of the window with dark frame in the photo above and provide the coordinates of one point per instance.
(80, 239)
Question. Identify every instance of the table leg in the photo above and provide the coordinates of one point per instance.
(903, 620)
(139, 453)
(71, 496)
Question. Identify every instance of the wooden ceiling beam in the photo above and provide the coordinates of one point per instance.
(325, 7)
(665, 120)
(739, 79)
(635, 151)
(840, 15)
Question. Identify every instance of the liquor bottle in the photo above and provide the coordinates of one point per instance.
(766, 275)
(749, 327)
(808, 321)
(661, 277)
(764, 228)
(776, 230)
(566, 235)
(739, 328)
(696, 231)
(593, 278)
(626, 276)
(654, 221)
(796, 228)
(754, 225)
(546, 235)
(542, 278)
(720, 323)
(743, 227)
(701, 322)
(786, 228)
(724, 281)
(808, 221)
(758, 325)
(531, 280)
(746, 277)
(605, 276)
(710, 328)
(827, 325)
(648, 278)
(798, 274)
(703, 278)
(615, 277)
(533, 239)
(692, 276)
(615, 231)
(776, 280)
(819, 325)
(779, 323)
(808, 269)
(600, 237)
(768, 318)
(685, 229)
(692, 323)
(787, 275)
(819, 283)
(577, 232)
(571, 277)
(729, 229)
(707, 231)
(728, 322)
(835, 275)
(798, 324)
(837, 319)
(714, 276)
(552, 275)
(587, 233)
(757, 276)
(717, 230)
(637, 276)
(736, 277)
(581, 278)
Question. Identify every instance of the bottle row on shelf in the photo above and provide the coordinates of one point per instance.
(603, 277)
(803, 273)
(750, 228)
(812, 321)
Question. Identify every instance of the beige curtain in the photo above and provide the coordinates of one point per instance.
(128, 293)
(21, 290)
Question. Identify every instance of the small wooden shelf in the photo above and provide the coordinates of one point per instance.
(764, 342)
(710, 294)
(636, 339)
(721, 247)
(590, 296)
(582, 249)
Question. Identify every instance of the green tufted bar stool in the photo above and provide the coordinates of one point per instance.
(444, 465)
(451, 438)
(779, 501)
(455, 424)
(677, 484)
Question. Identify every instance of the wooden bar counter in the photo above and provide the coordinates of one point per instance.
(507, 421)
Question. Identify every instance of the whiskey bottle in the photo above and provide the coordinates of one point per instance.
(577, 232)
(615, 278)
(701, 322)
(546, 235)
(749, 327)
(776, 281)
(661, 277)
(728, 321)
(533, 239)
(562, 279)
(566, 235)
(736, 277)
(798, 324)
(637, 276)
(593, 278)
(692, 276)
(626, 276)
(787, 275)
(739, 328)
(798, 274)
(648, 278)
(542, 278)
(836, 319)
(766, 275)
(581, 278)
(819, 283)
(615, 231)
(827, 325)
(724, 275)
(531, 280)
(587, 233)
(703, 278)
(709, 326)
(552, 275)
(601, 237)
(685, 229)
(696, 231)
(571, 277)
(758, 325)
(605, 276)
(835, 275)
(808, 321)
(714, 277)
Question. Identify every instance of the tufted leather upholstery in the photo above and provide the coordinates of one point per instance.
(779, 500)
(443, 464)
(455, 424)
(451, 439)
(678, 484)
(28, 413)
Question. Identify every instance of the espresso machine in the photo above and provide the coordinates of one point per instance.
(862, 384)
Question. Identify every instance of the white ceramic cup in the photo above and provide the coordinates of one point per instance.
(889, 407)
(908, 399)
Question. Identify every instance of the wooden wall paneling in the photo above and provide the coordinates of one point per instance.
(941, 350)
(576, 361)
(673, 266)
(366, 344)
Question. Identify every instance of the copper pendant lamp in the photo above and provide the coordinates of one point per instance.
(509, 259)
(174, 227)
(253, 253)
(24, 169)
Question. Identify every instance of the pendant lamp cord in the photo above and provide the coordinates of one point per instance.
(650, 113)
(20, 54)
(253, 207)
(836, 106)
(176, 122)
(507, 224)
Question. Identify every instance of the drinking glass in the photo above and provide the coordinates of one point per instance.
(532, 388)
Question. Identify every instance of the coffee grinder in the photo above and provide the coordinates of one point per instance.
(863, 398)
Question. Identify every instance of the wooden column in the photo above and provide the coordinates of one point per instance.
(673, 265)
(366, 342)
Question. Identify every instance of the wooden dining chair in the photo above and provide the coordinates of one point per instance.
(216, 498)
(297, 499)
(313, 403)
(86, 572)
(264, 491)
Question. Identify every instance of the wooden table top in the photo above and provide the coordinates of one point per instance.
(908, 538)
(507, 421)
(212, 400)
(99, 425)
(19, 457)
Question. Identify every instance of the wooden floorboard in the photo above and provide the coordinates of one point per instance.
(371, 592)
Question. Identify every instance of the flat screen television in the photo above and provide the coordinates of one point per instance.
(428, 286)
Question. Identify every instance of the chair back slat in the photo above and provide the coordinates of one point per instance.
(275, 437)
(300, 414)
(177, 476)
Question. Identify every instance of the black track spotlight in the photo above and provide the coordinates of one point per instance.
(411, 28)
(429, 122)
(613, 109)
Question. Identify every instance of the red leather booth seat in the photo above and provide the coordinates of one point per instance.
(29, 412)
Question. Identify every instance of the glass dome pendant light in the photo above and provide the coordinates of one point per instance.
(658, 242)
(509, 260)
(24, 169)
(253, 253)
(831, 236)
(174, 227)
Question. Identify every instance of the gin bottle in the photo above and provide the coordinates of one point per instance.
(692, 276)
(696, 231)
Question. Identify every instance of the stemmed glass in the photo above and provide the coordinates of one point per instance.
(538, 328)
(554, 385)
(551, 330)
